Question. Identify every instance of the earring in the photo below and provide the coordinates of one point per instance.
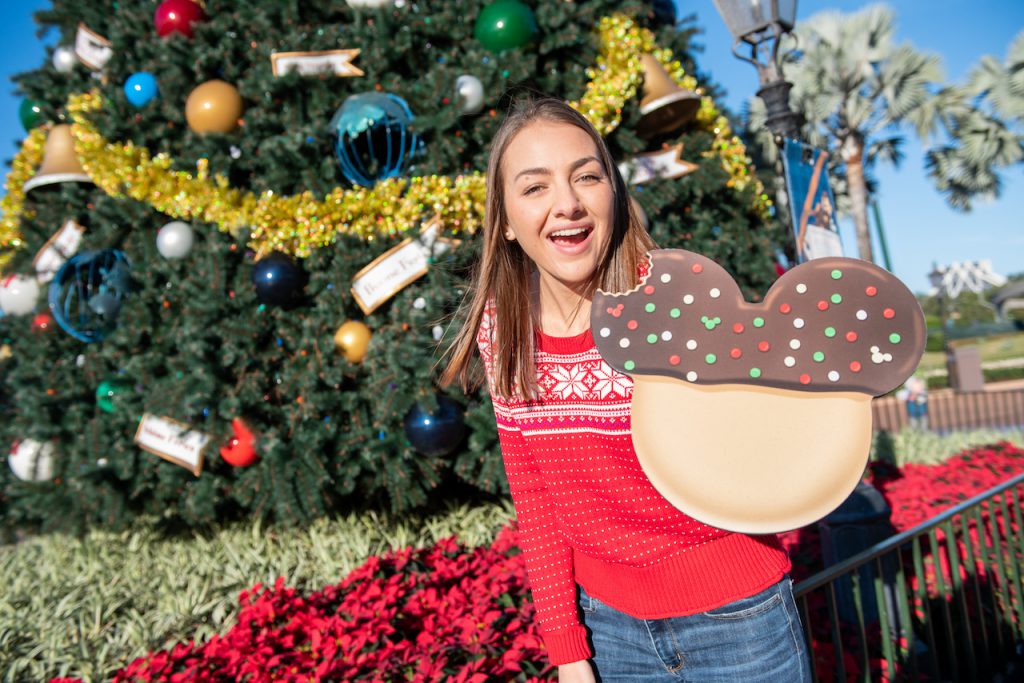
(510, 236)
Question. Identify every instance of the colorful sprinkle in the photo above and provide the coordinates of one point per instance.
(836, 274)
(738, 328)
(624, 342)
(822, 305)
(818, 356)
(789, 361)
(605, 331)
(784, 308)
(830, 332)
(794, 344)
(801, 288)
(649, 289)
(735, 353)
(851, 336)
(710, 359)
(688, 299)
(697, 268)
(715, 292)
(666, 278)
(675, 313)
(629, 365)
(691, 376)
(710, 323)
(763, 346)
(673, 360)
(691, 344)
(888, 313)
(666, 336)
(758, 322)
(833, 376)
(632, 325)
(855, 366)
(894, 338)
(871, 291)
(649, 307)
(652, 338)
(798, 323)
(836, 298)
(755, 372)
(862, 315)
(805, 378)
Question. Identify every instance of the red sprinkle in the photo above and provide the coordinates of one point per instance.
(784, 308)
(855, 366)
(616, 312)
(737, 328)
(805, 378)
(871, 291)
(697, 268)
(632, 324)
(649, 289)
(888, 313)
(822, 305)
(673, 359)
(763, 346)
(609, 309)
(851, 336)
(735, 353)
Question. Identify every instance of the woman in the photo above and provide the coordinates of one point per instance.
(626, 586)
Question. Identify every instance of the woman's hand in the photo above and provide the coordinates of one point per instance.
(577, 672)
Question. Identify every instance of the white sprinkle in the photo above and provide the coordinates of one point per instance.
(789, 361)
(715, 293)
(794, 344)
(624, 342)
(688, 299)
(691, 344)
(798, 323)
(801, 288)
(665, 277)
(692, 376)
(666, 336)
(833, 376)
(862, 315)
(605, 331)
(874, 349)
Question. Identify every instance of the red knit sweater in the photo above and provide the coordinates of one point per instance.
(587, 513)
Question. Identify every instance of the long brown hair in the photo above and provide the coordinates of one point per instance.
(503, 272)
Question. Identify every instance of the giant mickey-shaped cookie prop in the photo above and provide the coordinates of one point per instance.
(757, 417)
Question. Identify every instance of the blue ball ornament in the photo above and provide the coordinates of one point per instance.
(141, 88)
(278, 280)
(435, 433)
(374, 140)
(88, 291)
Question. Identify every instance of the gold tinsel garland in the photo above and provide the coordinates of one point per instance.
(301, 223)
(24, 166)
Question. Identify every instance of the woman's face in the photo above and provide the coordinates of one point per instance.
(559, 202)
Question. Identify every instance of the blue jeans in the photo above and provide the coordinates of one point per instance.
(752, 640)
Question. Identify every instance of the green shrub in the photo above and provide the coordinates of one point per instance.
(914, 446)
(936, 341)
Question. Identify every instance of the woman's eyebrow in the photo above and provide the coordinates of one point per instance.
(541, 170)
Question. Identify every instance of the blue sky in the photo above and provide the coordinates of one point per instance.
(919, 226)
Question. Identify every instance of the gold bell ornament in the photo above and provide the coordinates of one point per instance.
(60, 162)
(664, 107)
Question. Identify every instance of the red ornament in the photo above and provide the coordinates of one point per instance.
(177, 15)
(42, 322)
(241, 449)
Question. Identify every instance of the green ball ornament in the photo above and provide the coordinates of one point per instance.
(106, 392)
(31, 113)
(505, 24)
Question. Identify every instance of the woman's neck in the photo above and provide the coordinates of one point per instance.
(560, 311)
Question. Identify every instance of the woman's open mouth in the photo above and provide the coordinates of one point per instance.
(571, 237)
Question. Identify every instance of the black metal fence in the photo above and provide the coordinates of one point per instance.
(940, 602)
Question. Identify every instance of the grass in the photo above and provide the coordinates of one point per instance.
(993, 349)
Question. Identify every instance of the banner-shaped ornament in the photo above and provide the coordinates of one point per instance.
(57, 250)
(399, 266)
(173, 441)
(92, 49)
(666, 163)
(811, 202)
(337, 62)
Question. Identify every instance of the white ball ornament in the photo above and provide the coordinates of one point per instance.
(64, 59)
(174, 240)
(469, 93)
(18, 294)
(31, 460)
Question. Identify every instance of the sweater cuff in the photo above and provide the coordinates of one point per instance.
(567, 646)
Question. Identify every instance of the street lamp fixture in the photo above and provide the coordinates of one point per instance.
(757, 27)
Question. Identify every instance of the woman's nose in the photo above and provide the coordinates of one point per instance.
(567, 202)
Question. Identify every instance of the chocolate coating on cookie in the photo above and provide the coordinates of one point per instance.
(830, 324)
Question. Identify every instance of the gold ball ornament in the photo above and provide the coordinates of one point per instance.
(213, 107)
(352, 339)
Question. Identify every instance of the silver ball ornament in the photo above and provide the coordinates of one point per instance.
(18, 294)
(31, 460)
(174, 240)
(65, 59)
(469, 93)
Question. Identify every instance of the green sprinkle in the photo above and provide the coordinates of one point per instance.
(629, 365)
(830, 332)
(895, 338)
(652, 338)
(755, 372)
(758, 322)
(675, 313)
(818, 356)
(649, 308)
(836, 299)
(710, 359)
(836, 274)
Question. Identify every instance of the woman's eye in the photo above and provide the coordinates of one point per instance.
(532, 189)
(590, 177)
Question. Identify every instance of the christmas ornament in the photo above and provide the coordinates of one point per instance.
(31, 113)
(435, 433)
(367, 4)
(140, 88)
(505, 24)
(60, 161)
(87, 292)
(316, 63)
(42, 322)
(177, 16)
(213, 107)
(469, 94)
(64, 59)
(92, 49)
(106, 392)
(278, 279)
(18, 294)
(664, 107)
(374, 141)
(174, 240)
(352, 339)
(31, 460)
(241, 449)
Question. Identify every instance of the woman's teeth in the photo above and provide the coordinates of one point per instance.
(570, 235)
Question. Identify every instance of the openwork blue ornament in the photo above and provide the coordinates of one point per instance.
(87, 293)
(374, 141)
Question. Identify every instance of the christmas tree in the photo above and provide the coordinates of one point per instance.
(235, 235)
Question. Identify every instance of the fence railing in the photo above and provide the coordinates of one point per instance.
(952, 410)
(940, 602)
